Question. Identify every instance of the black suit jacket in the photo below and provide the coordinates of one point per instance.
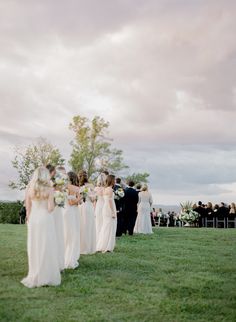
(119, 202)
(131, 201)
(223, 212)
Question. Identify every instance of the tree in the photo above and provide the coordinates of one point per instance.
(139, 177)
(30, 158)
(92, 150)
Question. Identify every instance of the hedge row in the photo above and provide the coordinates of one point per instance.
(9, 212)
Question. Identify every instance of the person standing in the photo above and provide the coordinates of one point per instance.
(119, 201)
(130, 208)
(202, 213)
(71, 223)
(58, 215)
(107, 237)
(41, 241)
(88, 225)
(99, 189)
(143, 223)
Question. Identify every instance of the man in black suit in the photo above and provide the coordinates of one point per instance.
(223, 211)
(202, 213)
(119, 201)
(130, 208)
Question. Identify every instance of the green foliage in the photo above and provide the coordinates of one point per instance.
(174, 275)
(9, 212)
(186, 206)
(92, 150)
(138, 177)
(30, 158)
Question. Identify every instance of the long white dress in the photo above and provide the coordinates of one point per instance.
(143, 223)
(71, 234)
(107, 237)
(59, 225)
(42, 247)
(98, 210)
(87, 227)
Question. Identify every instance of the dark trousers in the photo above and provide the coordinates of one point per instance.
(129, 222)
(120, 224)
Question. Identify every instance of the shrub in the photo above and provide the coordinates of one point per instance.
(9, 212)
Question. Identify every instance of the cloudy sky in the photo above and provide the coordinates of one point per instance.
(163, 72)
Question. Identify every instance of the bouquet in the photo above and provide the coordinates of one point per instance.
(87, 192)
(60, 180)
(188, 215)
(84, 193)
(119, 193)
(59, 198)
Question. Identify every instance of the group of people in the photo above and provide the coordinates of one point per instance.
(221, 210)
(67, 216)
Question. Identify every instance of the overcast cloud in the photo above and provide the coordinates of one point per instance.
(162, 72)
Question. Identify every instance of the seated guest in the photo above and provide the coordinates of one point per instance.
(209, 209)
(216, 208)
(232, 210)
(223, 211)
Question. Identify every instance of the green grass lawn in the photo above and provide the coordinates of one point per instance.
(181, 274)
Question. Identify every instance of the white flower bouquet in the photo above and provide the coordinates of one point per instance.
(59, 198)
(119, 193)
(60, 180)
(87, 192)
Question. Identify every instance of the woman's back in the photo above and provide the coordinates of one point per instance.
(145, 197)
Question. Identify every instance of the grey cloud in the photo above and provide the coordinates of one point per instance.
(162, 73)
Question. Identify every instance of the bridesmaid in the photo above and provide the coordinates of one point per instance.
(99, 204)
(41, 244)
(87, 227)
(71, 223)
(59, 225)
(107, 237)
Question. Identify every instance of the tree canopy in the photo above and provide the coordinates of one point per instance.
(92, 148)
(29, 158)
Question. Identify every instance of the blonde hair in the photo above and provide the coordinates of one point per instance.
(40, 183)
(144, 188)
(101, 181)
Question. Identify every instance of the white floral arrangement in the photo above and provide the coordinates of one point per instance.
(59, 198)
(61, 179)
(188, 215)
(119, 193)
(88, 192)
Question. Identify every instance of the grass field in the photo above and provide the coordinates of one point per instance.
(175, 275)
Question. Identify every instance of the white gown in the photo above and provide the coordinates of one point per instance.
(78, 219)
(98, 210)
(71, 234)
(42, 247)
(143, 223)
(107, 237)
(59, 225)
(87, 228)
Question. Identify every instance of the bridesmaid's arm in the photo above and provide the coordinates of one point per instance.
(51, 204)
(150, 200)
(110, 194)
(139, 199)
(28, 205)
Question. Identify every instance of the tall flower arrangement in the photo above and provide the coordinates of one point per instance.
(188, 215)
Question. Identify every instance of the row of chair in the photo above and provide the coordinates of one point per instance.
(208, 222)
(219, 222)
